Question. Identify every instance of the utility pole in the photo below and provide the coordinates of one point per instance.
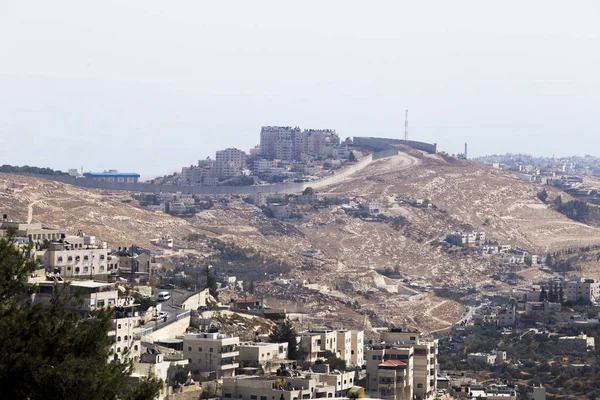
(406, 128)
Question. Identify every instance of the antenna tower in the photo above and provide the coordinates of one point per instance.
(406, 127)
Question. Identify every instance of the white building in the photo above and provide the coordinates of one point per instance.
(76, 261)
(262, 352)
(229, 162)
(581, 342)
(587, 290)
(212, 354)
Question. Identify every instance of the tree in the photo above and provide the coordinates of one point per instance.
(50, 351)
(543, 295)
(251, 287)
(543, 195)
(334, 361)
(211, 283)
(285, 333)
(561, 295)
(309, 191)
(351, 157)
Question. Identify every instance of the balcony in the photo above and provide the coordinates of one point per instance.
(229, 353)
(230, 365)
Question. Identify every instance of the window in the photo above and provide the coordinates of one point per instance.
(211, 350)
(125, 338)
(70, 259)
(119, 326)
(135, 347)
(77, 258)
(228, 395)
(68, 268)
(199, 349)
(102, 268)
(118, 338)
(419, 385)
(352, 352)
(100, 303)
(85, 258)
(85, 269)
(263, 397)
(189, 348)
(413, 338)
(374, 357)
(253, 397)
(102, 256)
(77, 270)
(118, 349)
(59, 259)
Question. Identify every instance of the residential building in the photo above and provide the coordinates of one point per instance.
(94, 295)
(36, 232)
(314, 344)
(125, 332)
(281, 211)
(493, 358)
(587, 290)
(261, 353)
(357, 348)
(390, 371)
(72, 260)
(506, 316)
(113, 176)
(134, 263)
(581, 342)
(425, 353)
(212, 354)
(229, 162)
(372, 207)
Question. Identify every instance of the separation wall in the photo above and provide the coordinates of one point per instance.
(385, 144)
(285, 188)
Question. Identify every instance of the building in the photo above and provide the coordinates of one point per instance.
(72, 260)
(94, 295)
(425, 361)
(113, 176)
(314, 344)
(289, 385)
(469, 238)
(493, 358)
(357, 348)
(212, 354)
(261, 353)
(36, 232)
(229, 162)
(372, 207)
(287, 143)
(281, 211)
(581, 342)
(125, 332)
(390, 371)
(506, 316)
(134, 263)
(587, 290)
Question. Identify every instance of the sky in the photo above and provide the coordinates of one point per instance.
(150, 86)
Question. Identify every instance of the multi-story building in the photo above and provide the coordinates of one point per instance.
(229, 162)
(262, 353)
(212, 354)
(36, 232)
(587, 290)
(125, 332)
(390, 371)
(289, 385)
(425, 359)
(287, 143)
(357, 348)
(314, 344)
(75, 261)
(134, 262)
(506, 316)
(94, 295)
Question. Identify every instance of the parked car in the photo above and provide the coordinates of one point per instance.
(163, 296)
(161, 315)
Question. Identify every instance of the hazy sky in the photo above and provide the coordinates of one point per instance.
(150, 86)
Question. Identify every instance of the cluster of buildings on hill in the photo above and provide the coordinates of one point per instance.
(284, 153)
(79, 256)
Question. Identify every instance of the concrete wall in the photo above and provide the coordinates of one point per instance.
(195, 300)
(170, 331)
(386, 144)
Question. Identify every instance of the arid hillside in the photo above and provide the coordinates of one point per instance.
(367, 271)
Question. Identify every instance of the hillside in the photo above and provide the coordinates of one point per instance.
(347, 285)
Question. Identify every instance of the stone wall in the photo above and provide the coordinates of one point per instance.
(169, 331)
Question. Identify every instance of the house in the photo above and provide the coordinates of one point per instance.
(95, 295)
(36, 232)
(587, 290)
(493, 358)
(581, 342)
(72, 260)
(506, 316)
(281, 211)
(212, 354)
(125, 332)
(261, 353)
(372, 207)
(246, 304)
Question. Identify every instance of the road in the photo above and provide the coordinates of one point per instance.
(171, 306)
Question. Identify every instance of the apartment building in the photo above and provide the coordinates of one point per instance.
(587, 290)
(36, 232)
(425, 364)
(212, 354)
(287, 143)
(314, 344)
(229, 162)
(506, 316)
(390, 371)
(74, 261)
(289, 385)
(94, 294)
(357, 348)
(125, 334)
(493, 358)
(470, 238)
(262, 353)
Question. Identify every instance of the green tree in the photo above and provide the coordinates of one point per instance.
(543, 295)
(285, 333)
(543, 195)
(211, 283)
(251, 287)
(351, 157)
(334, 361)
(309, 191)
(49, 351)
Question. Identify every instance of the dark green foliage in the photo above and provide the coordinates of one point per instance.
(543, 195)
(578, 210)
(49, 351)
(147, 389)
(251, 287)
(334, 362)
(211, 284)
(285, 333)
(351, 157)
(26, 169)
(308, 191)
(543, 295)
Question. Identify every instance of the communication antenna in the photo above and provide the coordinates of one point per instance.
(406, 127)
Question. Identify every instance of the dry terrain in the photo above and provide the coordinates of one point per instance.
(346, 285)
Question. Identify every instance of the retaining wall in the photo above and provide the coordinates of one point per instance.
(172, 330)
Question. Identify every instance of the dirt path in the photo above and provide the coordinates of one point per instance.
(441, 321)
